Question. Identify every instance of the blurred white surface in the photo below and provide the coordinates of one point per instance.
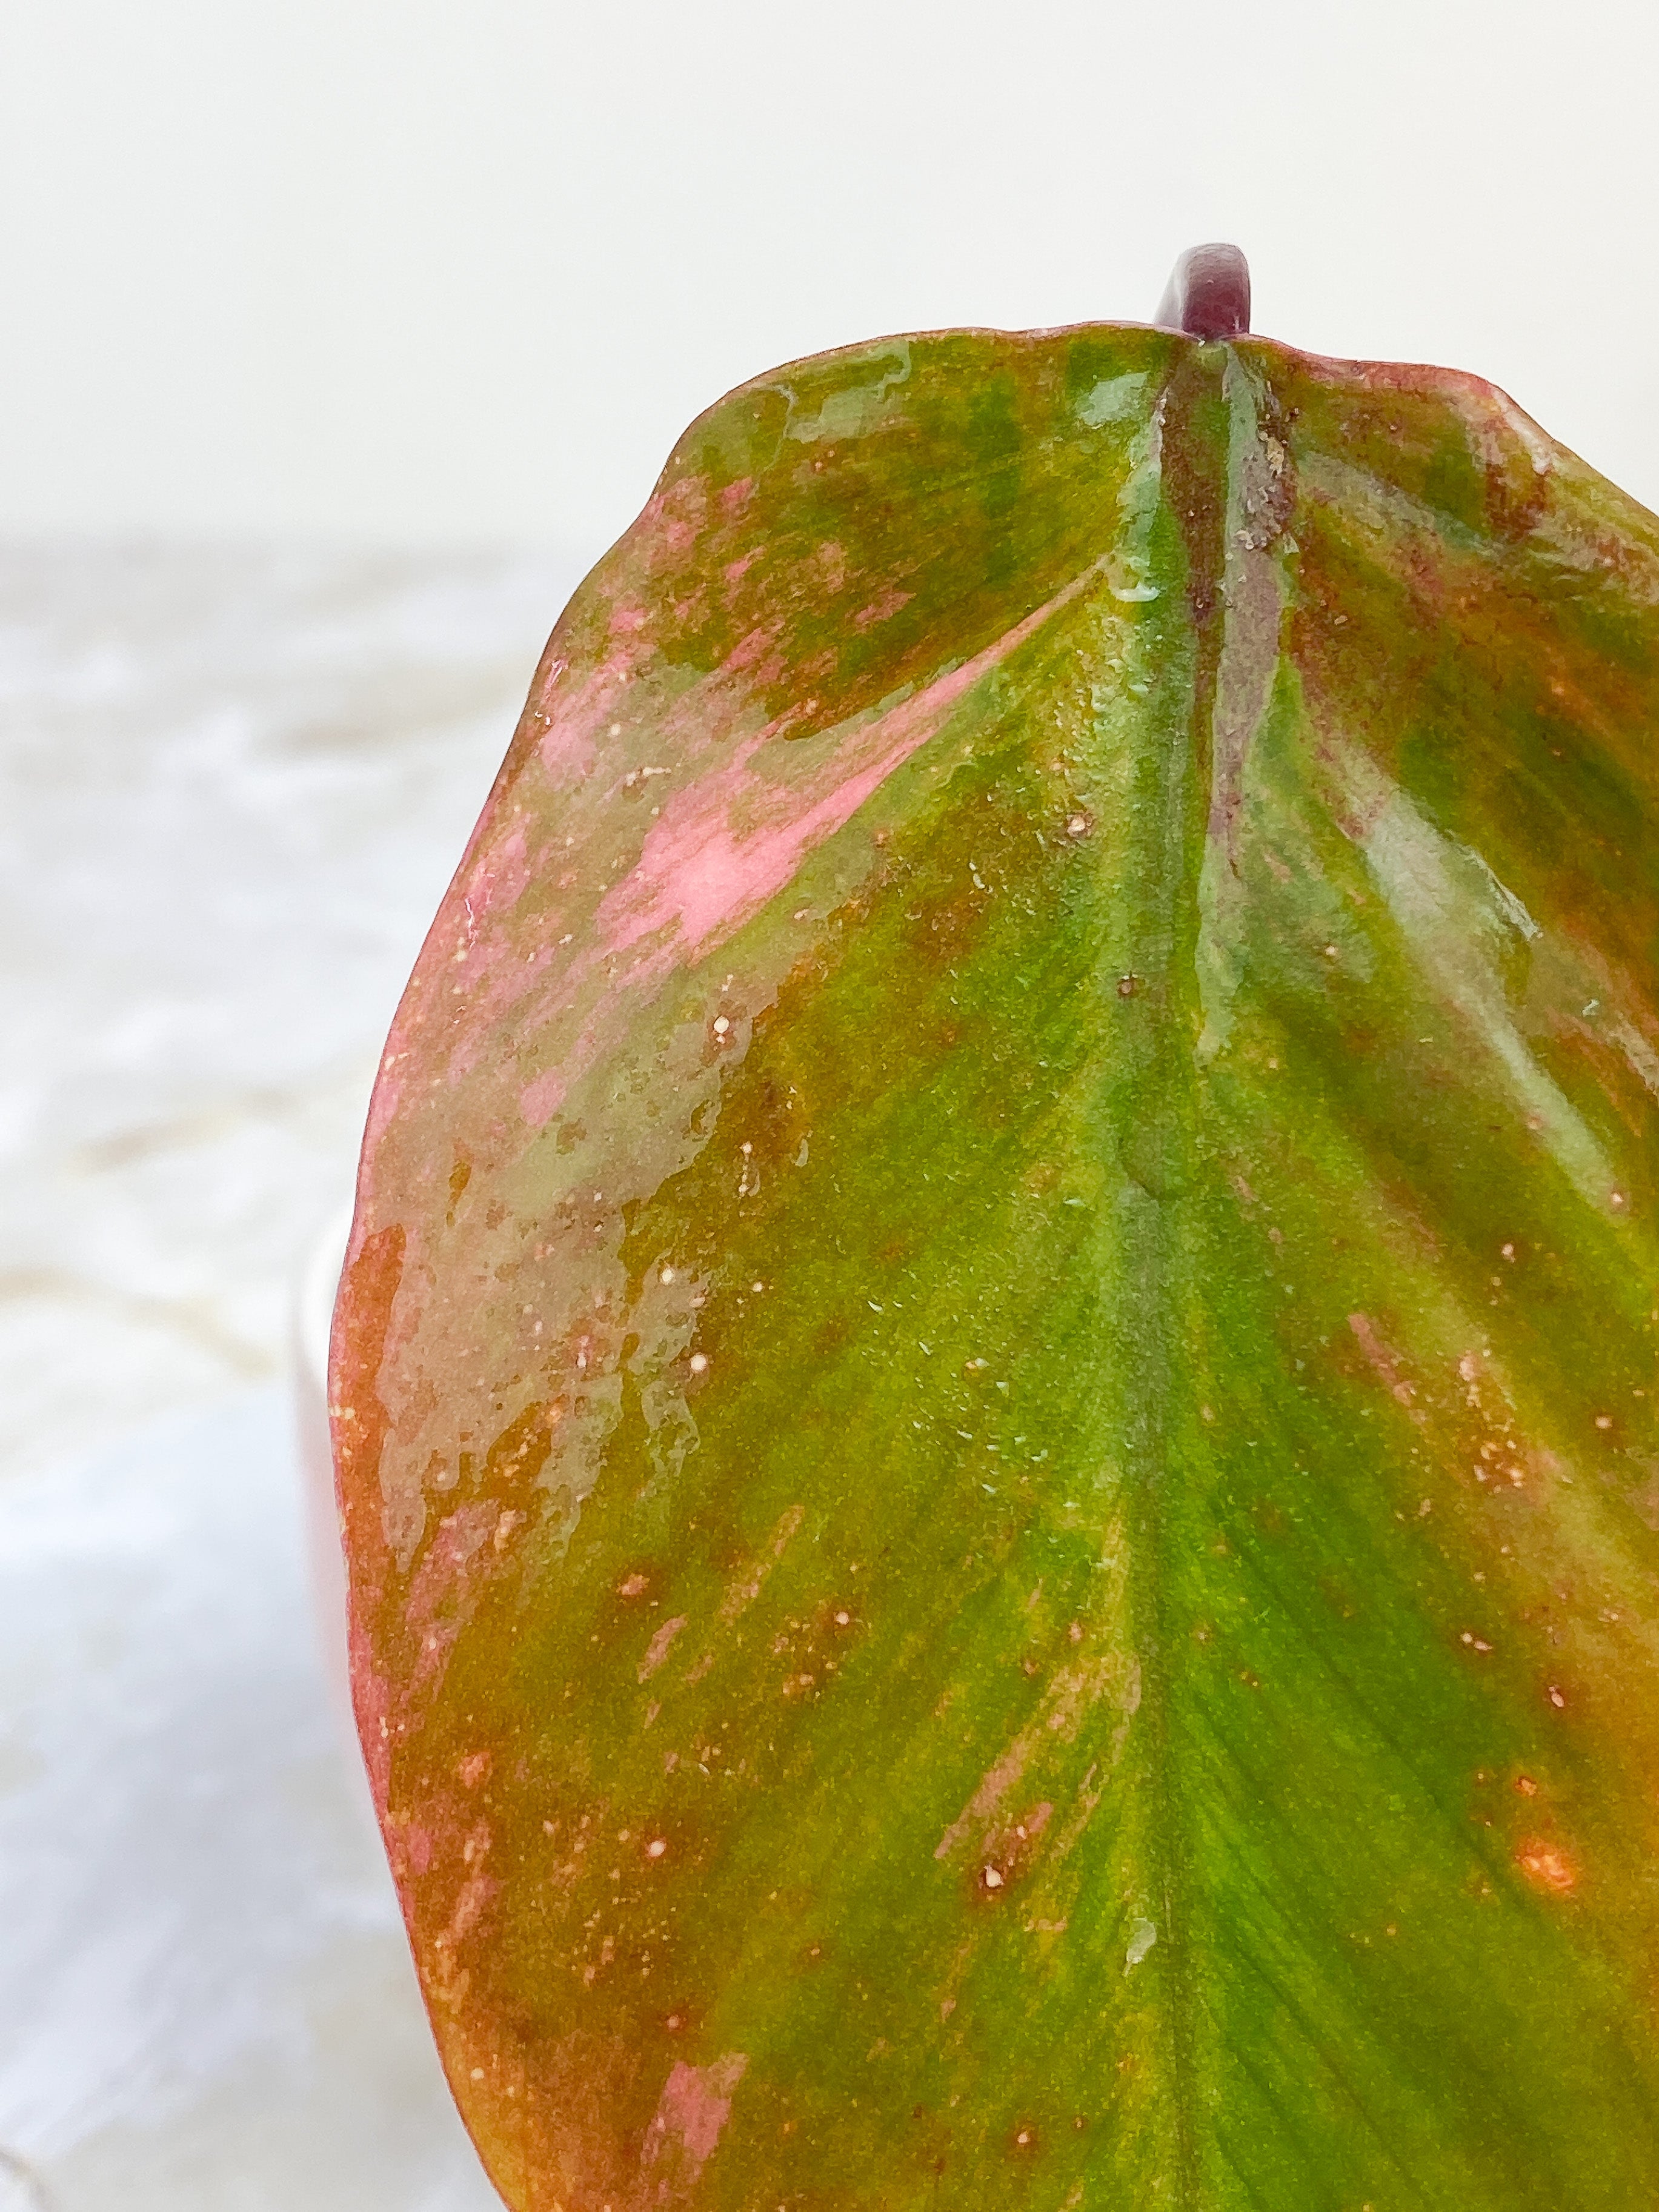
(316, 1289)
(206, 2002)
(232, 786)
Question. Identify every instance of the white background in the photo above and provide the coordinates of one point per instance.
(422, 271)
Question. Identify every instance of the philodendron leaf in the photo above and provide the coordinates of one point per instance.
(993, 1390)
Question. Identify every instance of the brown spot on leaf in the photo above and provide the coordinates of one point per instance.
(1383, 1361)
(657, 1649)
(1547, 1867)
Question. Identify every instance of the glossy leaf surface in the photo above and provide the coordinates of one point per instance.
(993, 1393)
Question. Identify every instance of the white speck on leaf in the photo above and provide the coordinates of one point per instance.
(1142, 1936)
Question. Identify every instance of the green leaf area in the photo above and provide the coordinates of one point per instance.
(994, 1393)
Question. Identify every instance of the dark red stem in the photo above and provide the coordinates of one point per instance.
(1208, 293)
